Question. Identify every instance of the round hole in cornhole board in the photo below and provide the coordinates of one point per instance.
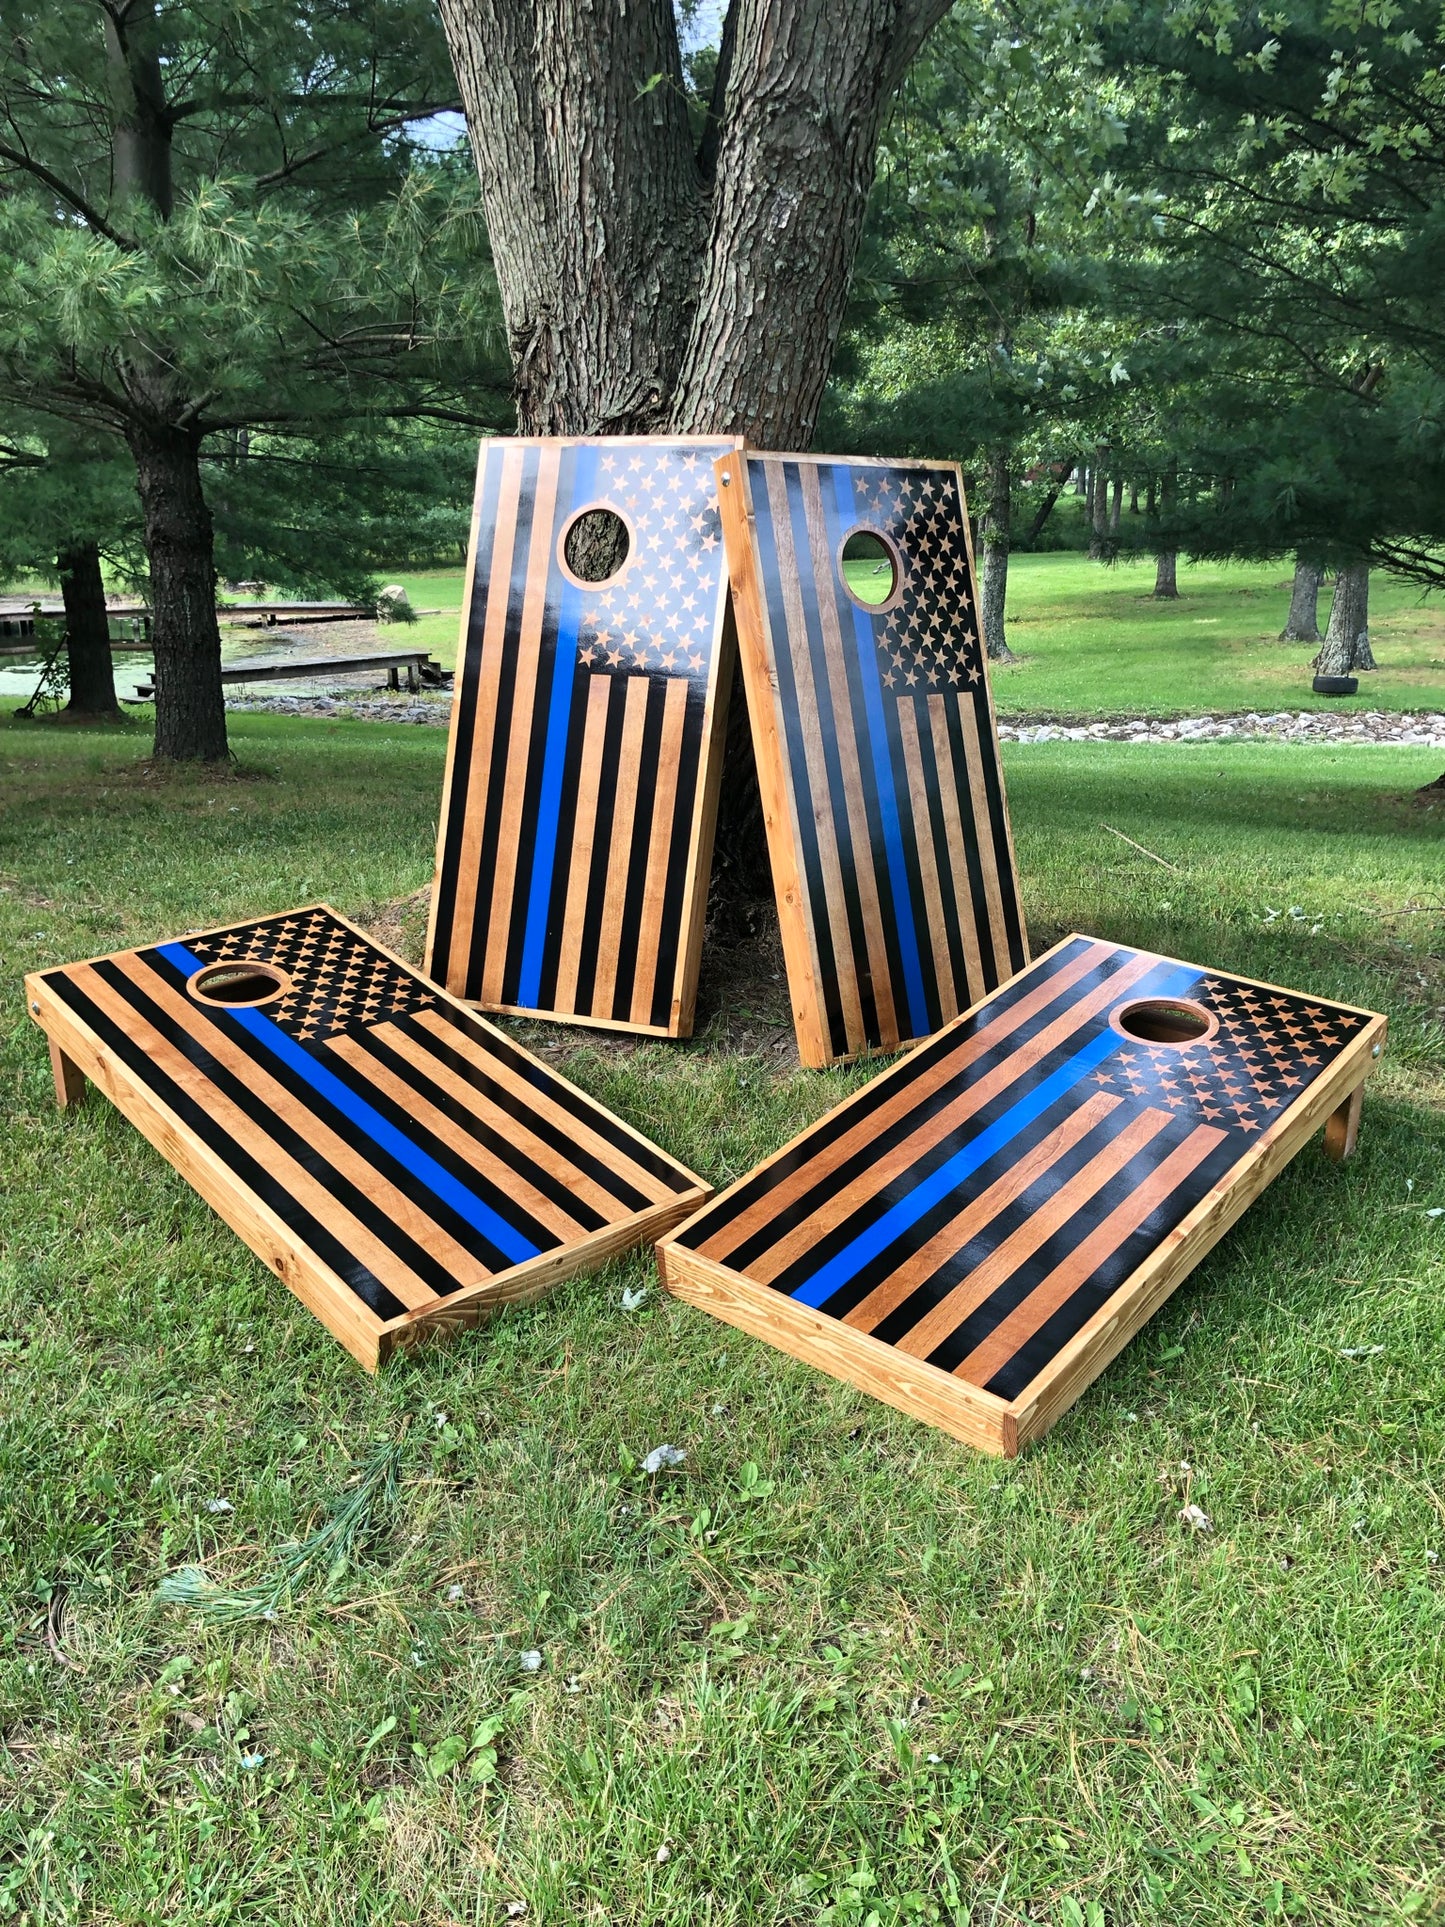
(871, 568)
(594, 546)
(1164, 1020)
(239, 983)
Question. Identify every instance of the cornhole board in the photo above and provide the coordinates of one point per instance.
(976, 1234)
(877, 758)
(399, 1162)
(587, 728)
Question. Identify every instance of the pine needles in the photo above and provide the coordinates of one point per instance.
(328, 1551)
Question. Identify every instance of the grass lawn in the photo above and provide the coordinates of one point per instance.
(1092, 641)
(836, 1668)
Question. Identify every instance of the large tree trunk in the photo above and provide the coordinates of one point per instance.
(87, 632)
(1166, 576)
(1116, 506)
(1347, 640)
(1302, 624)
(190, 708)
(995, 557)
(646, 286)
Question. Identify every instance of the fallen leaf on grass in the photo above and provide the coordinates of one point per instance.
(1196, 1518)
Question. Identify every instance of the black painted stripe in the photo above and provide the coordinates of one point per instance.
(942, 855)
(679, 853)
(300, 1222)
(646, 1156)
(918, 1064)
(554, 1189)
(837, 795)
(464, 713)
(635, 890)
(789, 714)
(1003, 860)
(566, 836)
(536, 750)
(977, 892)
(388, 1167)
(1071, 1317)
(506, 676)
(610, 774)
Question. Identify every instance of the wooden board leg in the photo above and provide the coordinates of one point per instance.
(69, 1079)
(1343, 1127)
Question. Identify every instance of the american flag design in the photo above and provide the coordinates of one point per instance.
(410, 1156)
(890, 839)
(979, 1203)
(576, 827)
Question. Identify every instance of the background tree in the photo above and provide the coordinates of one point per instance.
(215, 220)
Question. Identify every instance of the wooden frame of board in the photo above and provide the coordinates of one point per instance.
(974, 1235)
(877, 754)
(401, 1164)
(587, 732)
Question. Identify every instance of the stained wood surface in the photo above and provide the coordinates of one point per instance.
(399, 1161)
(877, 757)
(581, 786)
(983, 1227)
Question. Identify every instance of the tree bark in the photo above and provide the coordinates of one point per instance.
(1116, 507)
(1303, 621)
(1347, 640)
(87, 632)
(995, 557)
(1046, 508)
(647, 287)
(1166, 576)
(190, 708)
(1099, 510)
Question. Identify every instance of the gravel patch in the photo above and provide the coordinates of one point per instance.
(1369, 729)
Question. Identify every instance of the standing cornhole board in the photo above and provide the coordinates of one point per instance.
(977, 1233)
(587, 729)
(874, 736)
(401, 1164)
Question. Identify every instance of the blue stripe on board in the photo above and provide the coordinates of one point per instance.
(559, 709)
(386, 1136)
(815, 1291)
(867, 640)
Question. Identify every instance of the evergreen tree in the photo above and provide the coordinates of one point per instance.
(216, 220)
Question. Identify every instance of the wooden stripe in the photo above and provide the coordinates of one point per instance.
(619, 852)
(983, 830)
(664, 808)
(574, 917)
(514, 1185)
(495, 1118)
(536, 1100)
(403, 1211)
(1036, 1230)
(399, 1279)
(1065, 1279)
(857, 781)
(927, 861)
(473, 799)
(809, 717)
(979, 1212)
(934, 1129)
(957, 848)
(515, 833)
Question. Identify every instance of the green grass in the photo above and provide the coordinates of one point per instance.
(1092, 641)
(839, 1667)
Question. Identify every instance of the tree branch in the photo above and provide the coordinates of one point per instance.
(92, 218)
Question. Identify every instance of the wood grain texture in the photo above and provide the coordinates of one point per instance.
(997, 1214)
(396, 1160)
(587, 725)
(876, 750)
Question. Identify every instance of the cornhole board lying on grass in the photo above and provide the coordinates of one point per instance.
(977, 1233)
(587, 729)
(874, 735)
(401, 1164)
